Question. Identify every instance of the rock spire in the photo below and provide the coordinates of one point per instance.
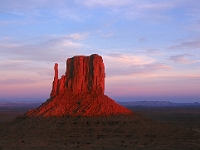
(55, 82)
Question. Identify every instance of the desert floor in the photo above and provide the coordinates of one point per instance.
(150, 128)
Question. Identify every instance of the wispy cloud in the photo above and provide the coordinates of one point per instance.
(143, 40)
(188, 44)
(78, 36)
(138, 4)
(154, 52)
(49, 48)
(17, 81)
(39, 11)
(129, 59)
(132, 9)
(183, 59)
(156, 6)
(12, 64)
(21, 4)
(107, 3)
(24, 60)
(7, 22)
(194, 18)
(121, 64)
(107, 35)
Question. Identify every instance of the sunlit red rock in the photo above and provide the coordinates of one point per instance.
(85, 74)
(55, 82)
(80, 92)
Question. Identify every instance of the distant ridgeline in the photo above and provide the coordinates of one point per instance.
(157, 103)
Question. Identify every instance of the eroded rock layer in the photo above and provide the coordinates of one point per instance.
(85, 74)
(80, 105)
(80, 92)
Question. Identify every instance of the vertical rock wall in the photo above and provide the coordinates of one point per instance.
(85, 74)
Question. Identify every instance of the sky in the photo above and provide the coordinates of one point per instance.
(150, 48)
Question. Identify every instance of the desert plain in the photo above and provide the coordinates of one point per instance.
(149, 128)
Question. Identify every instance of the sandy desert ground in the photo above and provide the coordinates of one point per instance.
(150, 128)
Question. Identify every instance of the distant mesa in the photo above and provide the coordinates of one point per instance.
(80, 92)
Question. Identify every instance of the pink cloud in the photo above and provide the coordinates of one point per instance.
(155, 84)
(189, 44)
(183, 59)
(119, 64)
(17, 90)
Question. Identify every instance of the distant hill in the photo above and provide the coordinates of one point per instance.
(19, 104)
(157, 104)
(32, 104)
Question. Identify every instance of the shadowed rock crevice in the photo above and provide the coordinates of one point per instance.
(80, 92)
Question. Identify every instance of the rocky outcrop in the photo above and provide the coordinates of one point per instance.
(54, 90)
(85, 74)
(80, 92)
(58, 86)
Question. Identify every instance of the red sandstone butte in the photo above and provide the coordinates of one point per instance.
(80, 92)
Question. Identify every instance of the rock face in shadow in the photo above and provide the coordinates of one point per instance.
(85, 75)
(80, 92)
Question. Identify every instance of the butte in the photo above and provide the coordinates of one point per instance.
(80, 92)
